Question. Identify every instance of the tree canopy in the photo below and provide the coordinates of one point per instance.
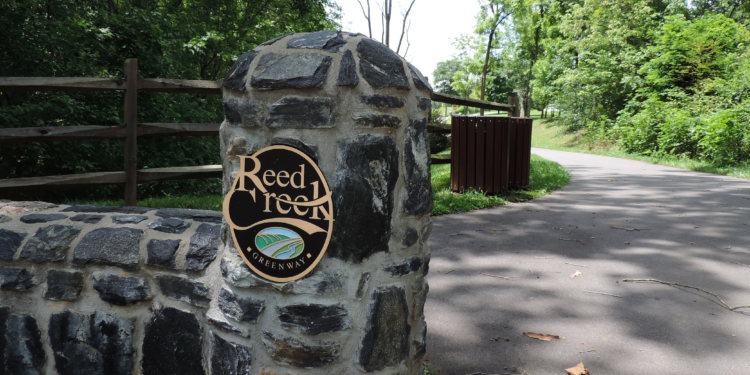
(178, 39)
(657, 77)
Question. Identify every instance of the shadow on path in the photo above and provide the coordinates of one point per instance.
(693, 228)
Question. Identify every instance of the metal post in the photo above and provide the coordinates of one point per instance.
(131, 133)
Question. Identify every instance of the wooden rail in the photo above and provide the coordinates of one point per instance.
(84, 132)
(131, 130)
(108, 84)
(475, 103)
(74, 181)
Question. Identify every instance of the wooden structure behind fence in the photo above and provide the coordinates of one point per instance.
(132, 129)
(490, 154)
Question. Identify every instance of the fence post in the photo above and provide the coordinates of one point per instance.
(514, 101)
(131, 132)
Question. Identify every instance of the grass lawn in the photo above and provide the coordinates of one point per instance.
(550, 137)
(546, 176)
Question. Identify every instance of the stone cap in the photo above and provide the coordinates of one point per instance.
(303, 61)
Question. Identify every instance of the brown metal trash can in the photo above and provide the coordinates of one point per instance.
(490, 154)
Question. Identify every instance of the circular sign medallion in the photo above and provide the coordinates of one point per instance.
(280, 213)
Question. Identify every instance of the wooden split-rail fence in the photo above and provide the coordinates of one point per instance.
(132, 129)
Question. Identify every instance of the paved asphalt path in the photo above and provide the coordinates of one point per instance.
(695, 230)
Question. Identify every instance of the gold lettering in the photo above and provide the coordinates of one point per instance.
(242, 174)
(326, 214)
(302, 260)
(261, 260)
(282, 174)
(281, 266)
(268, 201)
(297, 210)
(289, 265)
(267, 262)
(273, 265)
(266, 174)
(301, 175)
(278, 204)
(255, 255)
(297, 264)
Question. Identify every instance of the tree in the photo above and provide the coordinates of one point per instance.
(386, 10)
(492, 14)
(184, 39)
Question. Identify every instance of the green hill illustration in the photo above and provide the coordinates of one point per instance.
(279, 243)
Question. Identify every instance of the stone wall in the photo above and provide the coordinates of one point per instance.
(361, 112)
(111, 290)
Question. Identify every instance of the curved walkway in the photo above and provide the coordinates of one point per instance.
(694, 229)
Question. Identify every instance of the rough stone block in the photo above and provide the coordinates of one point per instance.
(121, 291)
(383, 101)
(204, 216)
(5, 219)
(169, 225)
(420, 81)
(238, 274)
(302, 113)
(185, 290)
(128, 219)
(420, 343)
(63, 285)
(50, 243)
(364, 181)
(10, 241)
(424, 104)
(276, 39)
(42, 218)
(173, 344)
(85, 208)
(419, 290)
(284, 71)
(386, 340)
(21, 350)
(406, 267)
(377, 121)
(16, 279)
(228, 358)
(217, 318)
(87, 218)
(110, 246)
(309, 150)
(97, 344)
(380, 66)
(243, 113)
(417, 160)
(204, 245)
(362, 285)
(327, 40)
(162, 253)
(291, 351)
(241, 309)
(410, 237)
(235, 77)
(314, 319)
(348, 71)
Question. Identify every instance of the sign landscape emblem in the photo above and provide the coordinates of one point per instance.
(280, 213)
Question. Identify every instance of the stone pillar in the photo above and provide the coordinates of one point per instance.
(360, 112)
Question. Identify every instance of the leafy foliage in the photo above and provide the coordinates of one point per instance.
(180, 39)
(654, 77)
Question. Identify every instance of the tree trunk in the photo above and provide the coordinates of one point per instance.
(486, 66)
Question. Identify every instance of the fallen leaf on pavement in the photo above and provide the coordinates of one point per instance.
(541, 336)
(577, 273)
(578, 370)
